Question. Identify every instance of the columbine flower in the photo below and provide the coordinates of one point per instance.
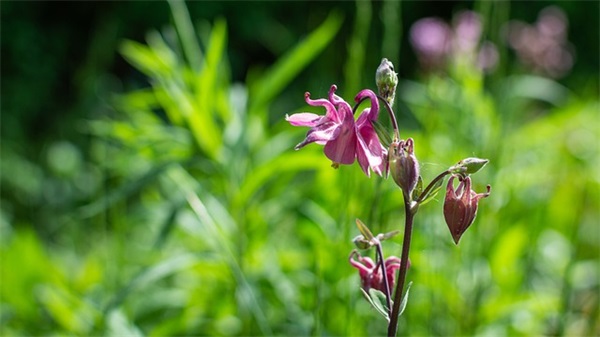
(460, 206)
(344, 139)
(370, 273)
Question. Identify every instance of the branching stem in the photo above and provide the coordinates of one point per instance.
(430, 186)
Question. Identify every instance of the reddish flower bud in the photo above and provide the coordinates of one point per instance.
(404, 166)
(460, 206)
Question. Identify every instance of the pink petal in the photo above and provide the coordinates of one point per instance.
(368, 262)
(321, 134)
(372, 112)
(338, 101)
(331, 113)
(303, 119)
(369, 152)
(362, 269)
(342, 149)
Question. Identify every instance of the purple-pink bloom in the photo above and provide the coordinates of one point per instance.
(370, 273)
(460, 206)
(344, 138)
(467, 31)
(431, 39)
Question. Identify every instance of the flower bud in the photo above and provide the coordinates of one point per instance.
(386, 80)
(460, 206)
(469, 165)
(404, 166)
(361, 243)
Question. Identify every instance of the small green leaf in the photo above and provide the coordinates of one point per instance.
(377, 300)
(431, 193)
(418, 189)
(404, 299)
(364, 230)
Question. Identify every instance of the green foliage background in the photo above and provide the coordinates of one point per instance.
(150, 187)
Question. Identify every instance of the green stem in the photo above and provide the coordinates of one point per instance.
(408, 226)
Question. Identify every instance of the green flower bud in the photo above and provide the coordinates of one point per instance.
(469, 166)
(361, 243)
(386, 80)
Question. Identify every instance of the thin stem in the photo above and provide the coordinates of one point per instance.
(388, 297)
(390, 112)
(408, 226)
(392, 116)
(431, 184)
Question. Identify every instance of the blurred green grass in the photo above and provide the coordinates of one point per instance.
(188, 213)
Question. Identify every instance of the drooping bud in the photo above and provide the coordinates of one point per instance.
(469, 166)
(460, 206)
(404, 166)
(387, 80)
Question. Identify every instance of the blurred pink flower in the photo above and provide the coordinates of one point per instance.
(431, 38)
(435, 42)
(344, 138)
(370, 273)
(467, 31)
(543, 46)
(488, 57)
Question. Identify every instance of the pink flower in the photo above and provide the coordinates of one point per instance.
(344, 138)
(431, 39)
(370, 273)
(460, 206)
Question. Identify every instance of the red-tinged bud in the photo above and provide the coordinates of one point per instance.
(404, 166)
(460, 206)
